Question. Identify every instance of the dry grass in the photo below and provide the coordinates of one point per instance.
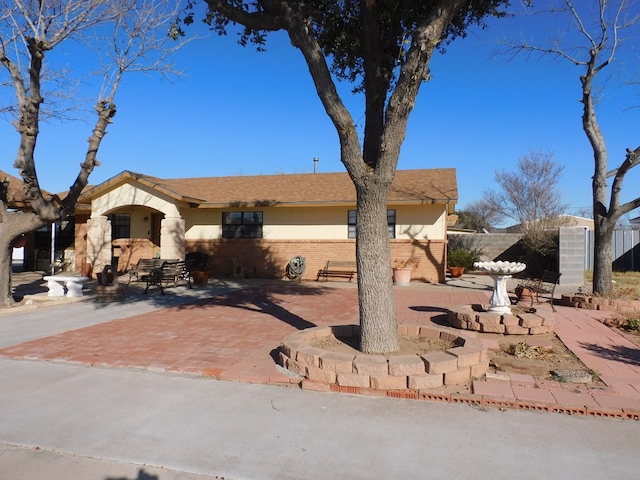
(626, 285)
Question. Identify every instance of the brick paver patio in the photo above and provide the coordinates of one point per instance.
(235, 336)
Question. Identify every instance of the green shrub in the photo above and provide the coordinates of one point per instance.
(461, 257)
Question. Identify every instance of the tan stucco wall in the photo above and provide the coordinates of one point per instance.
(420, 222)
(425, 222)
(130, 194)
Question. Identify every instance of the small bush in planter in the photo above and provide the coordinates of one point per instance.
(461, 257)
(406, 263)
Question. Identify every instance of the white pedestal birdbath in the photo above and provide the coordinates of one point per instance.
(500, 272)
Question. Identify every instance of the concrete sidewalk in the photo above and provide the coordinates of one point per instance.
(147, 410)
(68, 419)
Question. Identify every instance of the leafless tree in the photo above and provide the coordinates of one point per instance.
(530, 197)
(478, 216)
(599, 30)
(124, 35)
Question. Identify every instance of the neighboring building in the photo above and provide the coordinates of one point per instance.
(256, 224)
(564, 220)
(33, 251)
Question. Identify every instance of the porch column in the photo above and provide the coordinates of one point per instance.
(172, 230)
(99, 241)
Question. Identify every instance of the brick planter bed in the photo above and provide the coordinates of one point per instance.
(600, 303)
(478, 319)
(467, 359)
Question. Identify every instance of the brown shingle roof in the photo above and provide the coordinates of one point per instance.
(409, 186)
(15, 192)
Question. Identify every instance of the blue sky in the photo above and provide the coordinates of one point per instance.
(238, 112)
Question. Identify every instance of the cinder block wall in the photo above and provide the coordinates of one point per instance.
(495, 246)
(572, 254)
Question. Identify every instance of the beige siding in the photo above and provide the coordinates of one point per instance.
(422, 222)
(305, 223)
(201, 224)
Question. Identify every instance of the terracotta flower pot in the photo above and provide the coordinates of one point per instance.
(402, 276)
(200, 278)
(523, 293)
(456, 271)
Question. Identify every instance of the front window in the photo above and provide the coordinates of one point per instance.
(353, 217)
(120, 225)
(242, 225)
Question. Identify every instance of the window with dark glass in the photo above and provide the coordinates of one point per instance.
(120, 225)
(242, 225)
(352, 220)
(65, 234)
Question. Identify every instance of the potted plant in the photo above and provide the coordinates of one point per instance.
(104, 273)
(402, 269)
(460, 259)
(108, 288)
(198, 264)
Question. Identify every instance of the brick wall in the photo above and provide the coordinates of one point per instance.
(80, 241)
(269, 258)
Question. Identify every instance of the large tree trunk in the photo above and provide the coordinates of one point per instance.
(602, 265)
(378, 326)
(6, 251)
(12, 225)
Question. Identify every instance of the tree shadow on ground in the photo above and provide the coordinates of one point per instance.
(33, 287)
(264, 299)
(469, 283)
(439, 314)
(618, 353)
(142, 475)
(262, 296)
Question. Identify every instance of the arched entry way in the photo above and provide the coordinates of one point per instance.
(129, 223)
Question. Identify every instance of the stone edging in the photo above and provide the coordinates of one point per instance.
(600, 303)
(478, 319)
(466, 360)
(316, 379)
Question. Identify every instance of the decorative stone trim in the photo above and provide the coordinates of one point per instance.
(477, 319)
(467, 359)
(600, 303)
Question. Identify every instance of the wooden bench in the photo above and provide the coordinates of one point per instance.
(545, 285)
(169, 273)
(336, 268)
(145, 266)
(56, 284)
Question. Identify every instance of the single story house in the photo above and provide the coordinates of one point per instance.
(254, 225)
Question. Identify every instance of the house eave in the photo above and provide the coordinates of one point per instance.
(331, 203)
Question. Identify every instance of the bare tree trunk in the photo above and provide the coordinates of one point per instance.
(602, 264)
(6, 251)
(378, 325)
(12, 225)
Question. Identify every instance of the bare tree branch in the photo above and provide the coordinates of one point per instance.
(29, 30)
(601, 34)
